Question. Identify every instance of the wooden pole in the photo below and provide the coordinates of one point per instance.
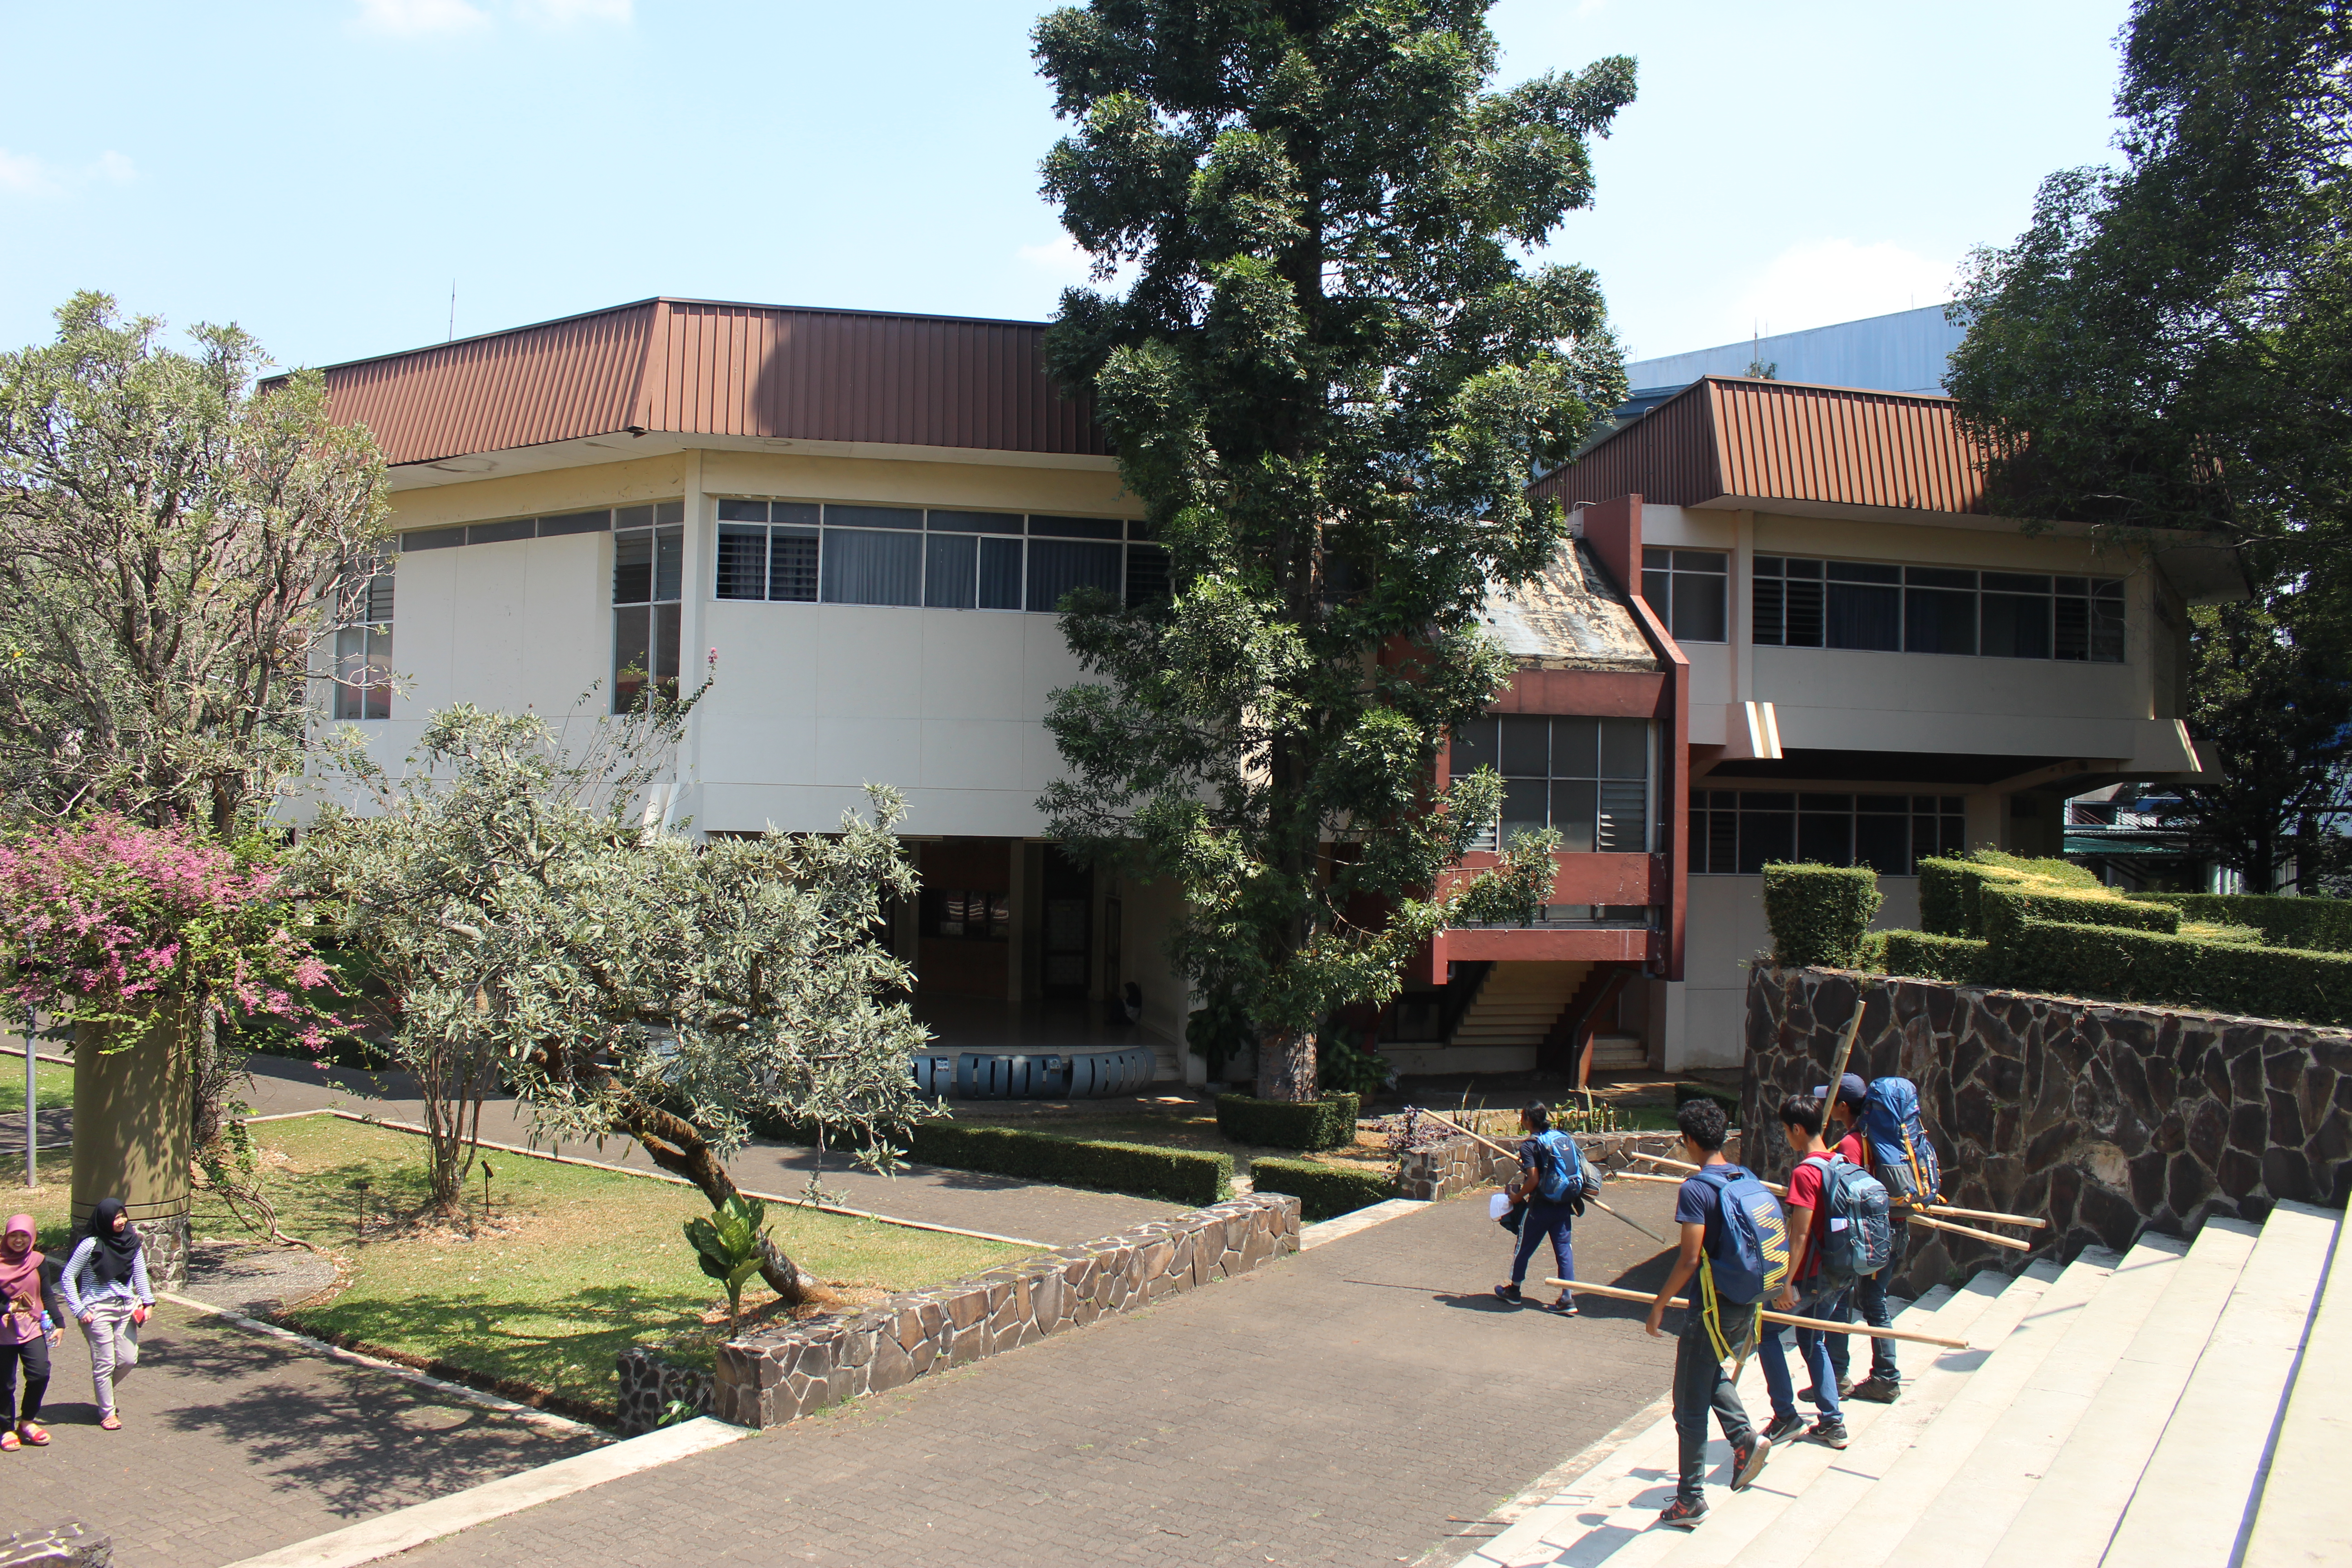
(2009, 1241)
(1910, 1336)
(1775, 1188)
(1846, 1046)
(1995, 1215)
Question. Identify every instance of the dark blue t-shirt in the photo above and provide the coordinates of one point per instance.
(1694, 1201)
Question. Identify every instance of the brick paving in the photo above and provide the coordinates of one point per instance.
(1002, 1205)
(1336, 1408)
(233, 1443)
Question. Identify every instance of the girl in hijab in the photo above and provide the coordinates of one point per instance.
(31, 1319)
(105, 1286)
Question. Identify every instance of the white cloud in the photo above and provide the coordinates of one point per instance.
(419, 18)
(565, 13)
(115, 166)
(1823, 281)
(22, 174)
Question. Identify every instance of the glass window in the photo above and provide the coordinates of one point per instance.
(1000, 574)
(742, 511)
(1056, 567)
(1527, 746)
(974, 522)
(2016, 625)
(1939, 620)
(1936, 609)
(1077, 527)
(363, 654)
(872, 517)
(742, 562)
(1686, 588)
(861, 567)
(791, 563)
(499, 532)
(951, 571)
(1738, 831)
(648, 564)
(583, 522)
(1589, 778)
(1147, 574)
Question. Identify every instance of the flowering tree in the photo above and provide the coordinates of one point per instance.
(622, 979)
(109, 922)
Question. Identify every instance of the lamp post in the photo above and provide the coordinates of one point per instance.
(32, 1132)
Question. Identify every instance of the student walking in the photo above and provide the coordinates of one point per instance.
(1809, 1293)
(1884, 1383)
(1548, 1198)
(1709, 1205)
(105, 1286)
(30, 1323)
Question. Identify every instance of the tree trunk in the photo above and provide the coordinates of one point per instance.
(1286, 1064)
(676, 1147)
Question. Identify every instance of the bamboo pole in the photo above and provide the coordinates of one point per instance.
(2011, 1242)
(1948, 1212)
(1910, 1336)
(1775, 1188)
(1596, 1203)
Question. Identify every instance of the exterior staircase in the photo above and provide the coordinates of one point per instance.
(1512, 1013)
(2177, 1404)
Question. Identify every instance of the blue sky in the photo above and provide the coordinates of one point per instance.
(321, 171)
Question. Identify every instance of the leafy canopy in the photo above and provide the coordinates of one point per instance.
(1328, 381)
(174, 548)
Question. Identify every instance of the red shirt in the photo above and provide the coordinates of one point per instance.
(1805, 1193)
(1851, 1150)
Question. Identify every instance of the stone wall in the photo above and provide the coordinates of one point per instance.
(767, 1379)
(2105, 1118)
(650, 1385)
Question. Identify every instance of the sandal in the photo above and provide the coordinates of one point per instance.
(35, 1435)
(8, 1444)
(109, 1422)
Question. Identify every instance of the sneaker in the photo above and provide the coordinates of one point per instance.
(1832, 1433)
(1877, 1390)
(1784, 1427)
(1812, 1395)
(1564, 1307)
(1509, 1293)
(1683, 1514)
(1748, 1460)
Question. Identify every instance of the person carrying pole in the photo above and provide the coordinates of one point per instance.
(1735, 1241)
(1884, 1383)
(1548, 1198)
(1809, 1293)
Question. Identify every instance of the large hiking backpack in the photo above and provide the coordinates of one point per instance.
(1563, 1174)
(1855, 1236)
(1899, 1146)
(1749, 1257)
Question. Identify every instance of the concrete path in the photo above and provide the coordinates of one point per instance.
(1001, 1205)
(233, 1444)
(1349, 1405)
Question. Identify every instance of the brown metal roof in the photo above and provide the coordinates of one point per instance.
(1728, 437)
(705, 368)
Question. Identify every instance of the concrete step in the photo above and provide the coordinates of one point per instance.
(2193, 1499)
(2301, 1517)
(1739, 1523)
(1799, 1531)
(1608, 1518)
(1876, 1521)
(2085, 1487)
(1960, 1526)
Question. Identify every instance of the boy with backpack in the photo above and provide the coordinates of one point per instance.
(1818, 1202)
(1733, 1243)
(1908, 1169)
(1556, 1179)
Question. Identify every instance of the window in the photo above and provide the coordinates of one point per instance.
(942, 560)
(363, 653)
(602, 519)
(649, 570)
(970, 914)
(1686, 588)
(1737, 831)
(1937, 609)
(1589, 778)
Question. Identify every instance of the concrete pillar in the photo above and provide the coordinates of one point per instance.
(133, 1112)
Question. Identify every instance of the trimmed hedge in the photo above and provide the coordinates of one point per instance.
(1179, 1176)
(1818, 914)
(1952, 891)
(2148, 966)
(1923, 955)
(2005, 907)
(2314, 925)
(1324, 1191)
(1326, 1123)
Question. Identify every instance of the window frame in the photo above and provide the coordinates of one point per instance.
(2099, 605)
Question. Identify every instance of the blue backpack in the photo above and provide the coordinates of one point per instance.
(1899, 1147)
(1747, 1253)
(1563, 1174)
(1856, 1238)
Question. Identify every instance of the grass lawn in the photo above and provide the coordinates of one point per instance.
(572, 1266)
(52, 1086)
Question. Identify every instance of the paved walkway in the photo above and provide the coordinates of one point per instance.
(233, 1443)
(1001, 1205)
(1343, 1407)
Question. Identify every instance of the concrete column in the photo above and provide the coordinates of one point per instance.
(132, 1110)
(694, 596)
(1742, 609)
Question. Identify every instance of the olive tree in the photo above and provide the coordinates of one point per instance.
(513, 887)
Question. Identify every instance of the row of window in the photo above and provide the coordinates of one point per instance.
(602, 520)
(1737, 832)
(1589, 778)
(806, 553)
(1801, 603)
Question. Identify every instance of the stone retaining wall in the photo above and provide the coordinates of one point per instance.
(767, 1379)
(2106, 1119)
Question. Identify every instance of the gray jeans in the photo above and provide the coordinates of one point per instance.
(113, 1347)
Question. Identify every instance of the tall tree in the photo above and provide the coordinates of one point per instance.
(1328, 381)
(541, 925)
(173, 549)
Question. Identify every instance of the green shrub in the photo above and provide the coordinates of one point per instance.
(1179, 1176)
(1818, 914)
(2313, 925)
(2214, 931)
(1952, 892)
(1322, 1191)
(2149, 966)
(1924, 955)
(1726, 1098)
(2004, 908)
(2063, 872)
(1326, 1123)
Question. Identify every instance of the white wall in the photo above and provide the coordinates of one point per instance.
(1707, 1009)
